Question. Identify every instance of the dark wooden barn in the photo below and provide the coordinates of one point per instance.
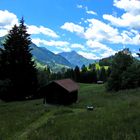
(60, 92)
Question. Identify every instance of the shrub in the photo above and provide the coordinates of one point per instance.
(125, 72)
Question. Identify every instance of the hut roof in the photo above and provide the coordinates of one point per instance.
(67, 84)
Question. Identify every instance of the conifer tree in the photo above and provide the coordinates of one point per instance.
(17, 63)
(84, 68)
(77, 74)
(102, 74)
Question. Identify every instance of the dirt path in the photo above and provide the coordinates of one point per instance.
(35, 125)
(39, 122)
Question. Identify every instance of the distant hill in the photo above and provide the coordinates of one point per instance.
(1, 41)
(46, 57)
(75, 59)
(106, 61)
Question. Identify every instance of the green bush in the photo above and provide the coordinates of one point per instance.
(131, 77)
(125, 72)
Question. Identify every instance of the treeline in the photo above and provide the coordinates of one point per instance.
(122, 72)
(89, 74)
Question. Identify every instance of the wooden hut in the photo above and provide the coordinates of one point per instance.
(63, 92)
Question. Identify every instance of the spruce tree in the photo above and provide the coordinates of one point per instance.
(17, 63)
(84, 68)
(77, 74)
(102, 74)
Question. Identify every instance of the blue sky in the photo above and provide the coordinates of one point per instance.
(93, 28)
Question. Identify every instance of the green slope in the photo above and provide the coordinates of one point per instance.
(47, 57)
(115, 117)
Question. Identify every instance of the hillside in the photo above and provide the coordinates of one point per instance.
(1, 40)
(106, 61)
(57, 61)
(115, 117)
(46, 57)
(76, 59)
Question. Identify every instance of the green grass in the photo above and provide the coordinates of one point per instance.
(98, 67)
(115, 117)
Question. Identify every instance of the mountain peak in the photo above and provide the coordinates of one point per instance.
(73, 51)
(76, 59)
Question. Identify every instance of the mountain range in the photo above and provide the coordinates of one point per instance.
(75, 59)
(56, 61)
(46, 57)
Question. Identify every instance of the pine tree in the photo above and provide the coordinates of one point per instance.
(84, 68)
(77, 74)
(94, 73)
(17, 63)
(102, 74)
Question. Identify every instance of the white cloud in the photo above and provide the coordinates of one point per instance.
(59, 45)
(38, 41)
(126, 20)
(99, 46)
(32, 29)
(56, 52)
(88, 55)
(86, 9)
(91, 12)
(101, 49)
(131, 6)
(79, 6)
(79, 46)
(3, 32)
(107, 54)
(131, 37)
(96, 45)
(7, 20)
(65, 49)
(69, 26)
(130, 18)
(53, 43)
(134, 55)
(98, 30)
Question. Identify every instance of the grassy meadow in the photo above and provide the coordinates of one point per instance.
(116, 116)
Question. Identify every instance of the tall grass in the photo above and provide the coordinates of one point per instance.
(115, 117)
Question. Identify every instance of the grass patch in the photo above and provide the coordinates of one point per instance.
(115, 117)
(63, 111)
